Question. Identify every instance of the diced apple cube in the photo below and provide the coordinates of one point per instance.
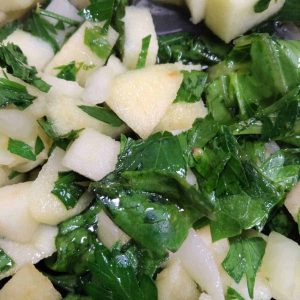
(199, 262)
(37, 51)
(280, 267)
(109, 233)
(142, 97)
(197, 9)
(292, 202)
(16, 223)
(65, 115)
(174, 283)
(13, 5)
(41, 247)
(181, 116)
(229, 19)
(98, 85)
(46, 207)
(76, 50)
(138, 24)
(29, 284)
(17, 124)
(93, 155)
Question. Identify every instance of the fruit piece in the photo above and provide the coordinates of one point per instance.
(141, 97)
(46, 207)
(41, 247)
(198, 261)
(109, 233)
(98, 85)
(174, 283)
(29, 284)
(181, 116)
(138, 24)
(280, 266)
(16, 223)
(292, 201)
(65, 115)
(13, 5)
(92, 155)
(37, 51)
(76, 50)
(230, 18)
(80, 3)
(197, 9)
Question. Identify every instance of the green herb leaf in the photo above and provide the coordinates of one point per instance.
(103, 114)
(61, 141)
(13, 175)
(96, 39)
(232, 294)
(8, 29)
(13, 59)
(14, 93)
(67, 189)
(6, 262)
(39, 146)
(60, 18)
(261, 5)
(144, 52)
(244, 258)
(68, 72)
(21, 149)
(98, 10)
(113, 277)
(192, 86)
(161, 151)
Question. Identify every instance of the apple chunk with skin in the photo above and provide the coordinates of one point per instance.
(229, 19)
(46, 207)
(92, 155)
(197, 9)
(142, 97)
(29, 283)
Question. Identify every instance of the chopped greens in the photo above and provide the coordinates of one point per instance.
(99, 10)
(39, 146)
(192, 86)
(103, 114)
(13, 59)
(232, 294)
(96, 38)
(67, 188)
(261, 5)
(14, 93)
(144, 52)
(68, 72)
(20, 148)
(6, 262)
(244, 258)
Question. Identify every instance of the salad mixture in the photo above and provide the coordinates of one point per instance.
(138, 166)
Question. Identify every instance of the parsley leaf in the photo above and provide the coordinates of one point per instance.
(67, 189)
(13, 175)
(21, 149)
(113, 277)
(8, 29)
(61, 141)
(14, 93)
(261, 5)
(96, 39)
(103, 114)
(6, 262)
(192, 86)
(39, 146)
(244, 258)
(42, 28)
(232, 294)
(98, 10)
(144, 52)
(13, 59)
(67, 72)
